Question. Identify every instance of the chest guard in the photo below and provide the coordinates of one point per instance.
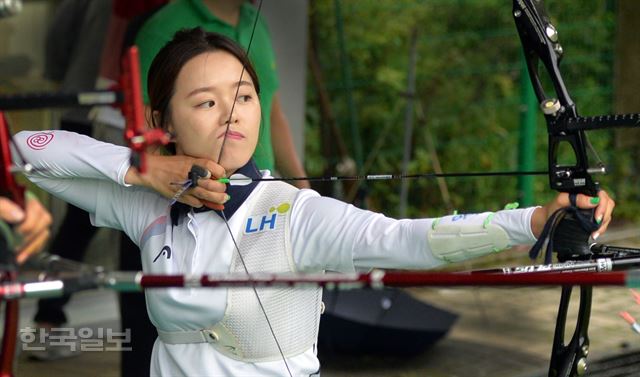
(294, 314)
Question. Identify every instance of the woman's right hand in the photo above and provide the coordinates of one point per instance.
(165, 175)
(603, 205)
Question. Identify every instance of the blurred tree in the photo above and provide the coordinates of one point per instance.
(467, 84)
(626, 83)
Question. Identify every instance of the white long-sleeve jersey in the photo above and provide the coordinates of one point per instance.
(326, 234)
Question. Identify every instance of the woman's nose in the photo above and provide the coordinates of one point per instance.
(228, 115)
(229, 119)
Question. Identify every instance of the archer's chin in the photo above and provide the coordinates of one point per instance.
(231, 164)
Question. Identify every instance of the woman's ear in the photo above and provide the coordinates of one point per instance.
(148, 117)
(157, 120)
(171, 130)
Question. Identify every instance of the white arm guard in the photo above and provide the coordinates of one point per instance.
(460, 237)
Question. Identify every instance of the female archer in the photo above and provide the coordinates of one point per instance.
(195, 94)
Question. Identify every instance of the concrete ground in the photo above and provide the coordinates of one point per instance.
(499, 332)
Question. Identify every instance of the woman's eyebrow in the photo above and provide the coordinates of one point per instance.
(212, 88)
(243, 83)
(201, 90)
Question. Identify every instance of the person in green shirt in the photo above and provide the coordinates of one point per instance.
(234, 19)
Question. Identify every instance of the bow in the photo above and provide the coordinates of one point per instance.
(570, 234)
(8, 269)
(127, 94)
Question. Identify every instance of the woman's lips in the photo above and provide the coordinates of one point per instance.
(232, 135)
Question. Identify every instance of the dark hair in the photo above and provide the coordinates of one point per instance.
(185, 45)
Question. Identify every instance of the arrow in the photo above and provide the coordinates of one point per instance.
(242, 180)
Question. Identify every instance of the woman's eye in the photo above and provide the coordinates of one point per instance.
(207, 104)
(245, 98)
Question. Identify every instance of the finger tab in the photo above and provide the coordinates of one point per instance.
(198, 172)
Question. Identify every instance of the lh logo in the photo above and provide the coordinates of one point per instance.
(261, 223)
(264, 221)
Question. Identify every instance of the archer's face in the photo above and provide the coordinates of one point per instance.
(205, 93)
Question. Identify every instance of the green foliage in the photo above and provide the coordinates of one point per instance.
(468, 83)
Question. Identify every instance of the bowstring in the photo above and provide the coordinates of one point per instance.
(224, 217)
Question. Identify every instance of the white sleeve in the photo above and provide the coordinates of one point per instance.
(90, 175)
(129, 209)
(327, 234)
(63, 154)
(71, 166)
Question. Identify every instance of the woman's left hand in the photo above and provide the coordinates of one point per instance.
(603, 205)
